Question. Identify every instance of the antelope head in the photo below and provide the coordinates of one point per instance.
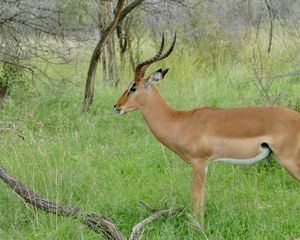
(141, 88)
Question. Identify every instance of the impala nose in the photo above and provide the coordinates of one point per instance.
(118, 110)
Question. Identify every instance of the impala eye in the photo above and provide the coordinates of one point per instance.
(133, 88)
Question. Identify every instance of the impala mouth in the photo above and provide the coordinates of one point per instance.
(120, 111)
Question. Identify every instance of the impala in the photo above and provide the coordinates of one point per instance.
(204, 135)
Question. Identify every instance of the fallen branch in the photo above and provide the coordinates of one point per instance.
(98, 223)
(138, 229)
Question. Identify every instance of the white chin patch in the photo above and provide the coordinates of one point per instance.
(121, 112)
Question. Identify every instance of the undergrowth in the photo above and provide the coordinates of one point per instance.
(108, 164)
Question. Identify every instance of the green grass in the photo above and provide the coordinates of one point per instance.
(107, 164)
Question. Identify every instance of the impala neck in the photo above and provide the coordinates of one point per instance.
(160, 118)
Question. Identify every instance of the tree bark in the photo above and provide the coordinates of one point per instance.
(3, 91)
(90, 80)
(104, 69)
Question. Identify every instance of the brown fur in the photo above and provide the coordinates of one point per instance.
(204, 134)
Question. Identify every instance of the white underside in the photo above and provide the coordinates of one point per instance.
(265, 152)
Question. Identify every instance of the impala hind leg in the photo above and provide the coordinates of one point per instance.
(199, 182)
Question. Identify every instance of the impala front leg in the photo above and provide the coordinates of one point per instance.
(199, 181)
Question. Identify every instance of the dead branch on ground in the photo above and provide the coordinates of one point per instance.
(98, 223)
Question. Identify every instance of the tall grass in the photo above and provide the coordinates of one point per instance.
(108, 164)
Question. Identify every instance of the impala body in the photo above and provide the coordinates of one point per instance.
(203, 135)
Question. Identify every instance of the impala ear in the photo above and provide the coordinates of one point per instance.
(155, 77)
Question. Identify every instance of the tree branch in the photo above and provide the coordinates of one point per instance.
(129, 8)
(98, 223)
(138, 229)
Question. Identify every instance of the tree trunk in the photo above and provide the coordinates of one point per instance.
(3, 91)
(112, 64)
(90, 80)
(104, 70)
